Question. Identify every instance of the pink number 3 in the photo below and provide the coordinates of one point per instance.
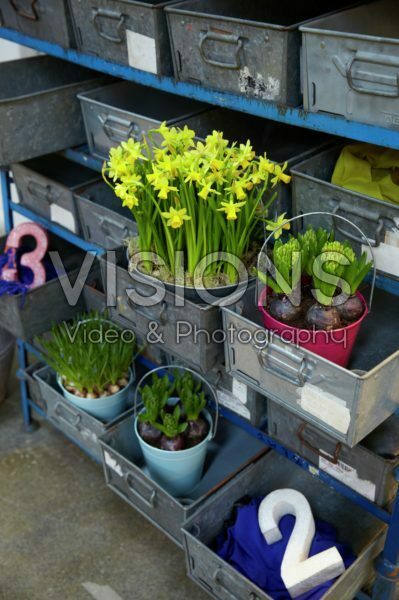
(31, 260)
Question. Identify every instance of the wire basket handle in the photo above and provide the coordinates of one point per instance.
(210, 388)
(334, 217)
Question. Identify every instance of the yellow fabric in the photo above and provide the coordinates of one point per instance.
(369, 170)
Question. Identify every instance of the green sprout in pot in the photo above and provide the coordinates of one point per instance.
(90, 355)
(155, 398)
(193, 404)
(311, 243)
(352, 308)
(172, 429)
(285, 303)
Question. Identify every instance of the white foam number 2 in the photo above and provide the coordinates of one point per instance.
(298, 572)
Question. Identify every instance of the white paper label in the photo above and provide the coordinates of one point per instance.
(240, 390)
(112, 464)
(63, 217)
(230, 401)
(348, 475)
(386, 255)
(325, 406)
(141, 52)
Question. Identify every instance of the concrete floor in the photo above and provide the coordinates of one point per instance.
(65, 536)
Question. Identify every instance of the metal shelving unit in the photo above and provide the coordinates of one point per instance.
(387, 566)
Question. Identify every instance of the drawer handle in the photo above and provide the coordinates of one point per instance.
(31, 15)
(220, 575)
(345, 208)
(332, 459)
(375, 59)
(119, 130)
(147, 314)
(106, 226)
(278, 366)
(42, 193)
(150, 502)
(103, 13)
(76, 417)
(226, 39)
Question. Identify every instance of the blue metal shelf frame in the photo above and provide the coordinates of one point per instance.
(387, 566)
(268, 110)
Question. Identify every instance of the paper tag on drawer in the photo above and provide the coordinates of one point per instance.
(348, 475)
(233, 403)
(141, 52)
(63, 217)
(325, 406)
(112, 464)
(386, 255)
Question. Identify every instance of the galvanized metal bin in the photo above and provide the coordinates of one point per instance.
(347, 403)
(366, 468)
(252, 48)
(127, 476)
(48, 20)
(30, 314)
(123, 110)
(34, 392)
(76, 424)
(47, 184)
(94, 296)
(357, 528)
(192, 332)
(313, 191)
(128, 32)
(350, 64)
(38, 92)
(104, 220)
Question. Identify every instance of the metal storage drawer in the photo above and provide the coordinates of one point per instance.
(76, 424)
(26, 316)
(184, 331)
(104, 220)
(313, 191)
(349, 404)
(48, 20)
(38, 92)
(32, 384)
(251, 48)
(361, 468)
(128, 32)
(123, 110)
(47, 184)
(126, 473)
(351, 63)
(94, 296)
(356, 527)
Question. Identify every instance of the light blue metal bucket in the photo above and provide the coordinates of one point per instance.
(178, 472)
(106, 408)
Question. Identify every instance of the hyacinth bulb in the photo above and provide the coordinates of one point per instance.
(197, 430)
(323, 317)
(352, 309)
(283, 310)
(172, 444)
(149, 433)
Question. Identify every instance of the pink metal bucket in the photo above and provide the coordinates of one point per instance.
(336, 345)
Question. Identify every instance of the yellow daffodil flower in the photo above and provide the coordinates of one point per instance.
(176, 217)
(280, 175)
(278, 226)
(206, 190)
(231, 209)
(266, 166)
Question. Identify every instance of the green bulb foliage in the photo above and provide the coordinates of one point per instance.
(329, 270)
(356, 272)
(287, 262)
(171, 425)
(155, 398)
(311, 243)
(89, 353)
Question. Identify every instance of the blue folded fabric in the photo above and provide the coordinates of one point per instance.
(243, 546)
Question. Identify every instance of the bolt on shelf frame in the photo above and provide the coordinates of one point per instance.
(387, 566)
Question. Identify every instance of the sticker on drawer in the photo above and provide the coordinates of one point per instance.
(349, 476)
(233, 403)
(141, 52)
(324, 406)
(386, 255)
(112, 464)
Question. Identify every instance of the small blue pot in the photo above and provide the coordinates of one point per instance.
(177, 472)
(106, 408)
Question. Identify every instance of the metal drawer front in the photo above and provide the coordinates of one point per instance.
(357, 528)
(126, 32)
(344, 403)
(313, 191)
(361, 468)
(127, 475)
(354, 73)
